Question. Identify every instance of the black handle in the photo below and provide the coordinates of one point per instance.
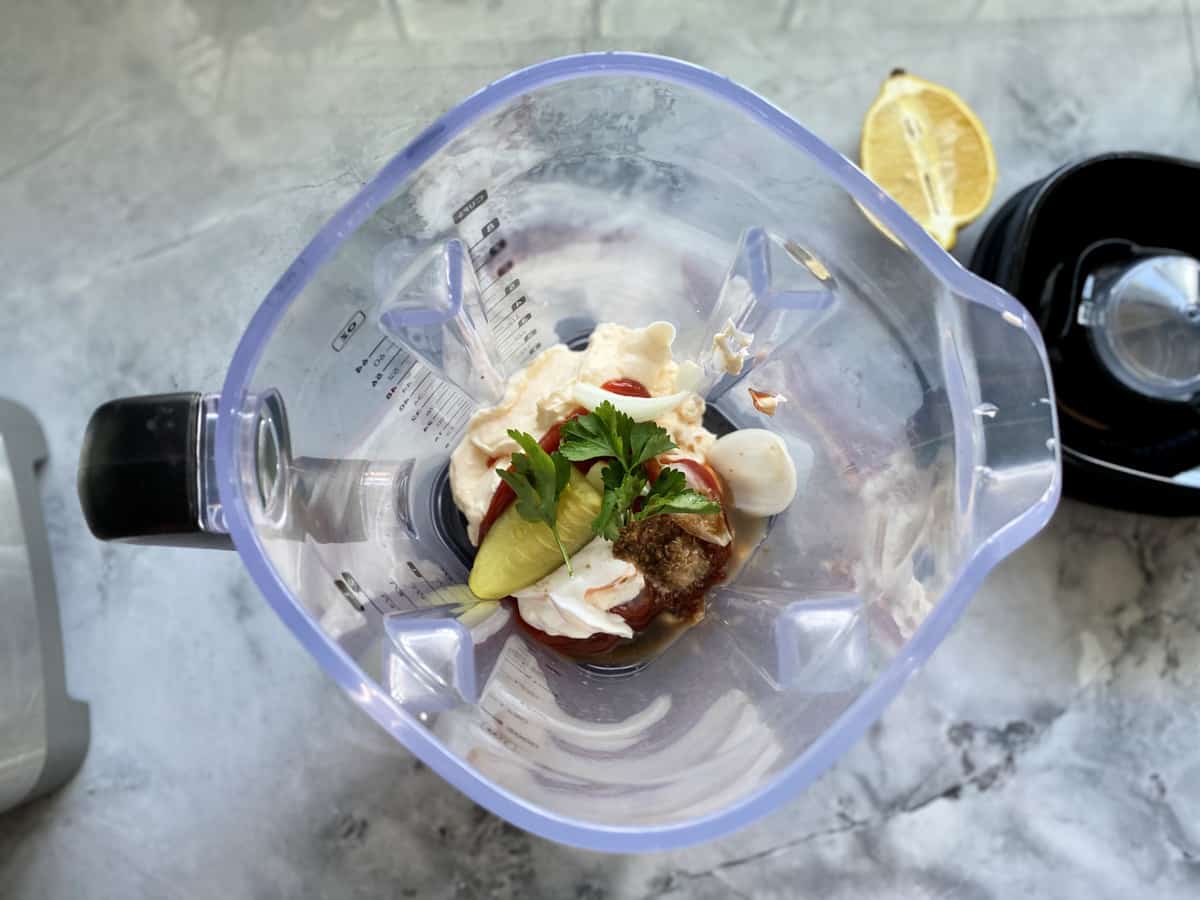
(140, 472)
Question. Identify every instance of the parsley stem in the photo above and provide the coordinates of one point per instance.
(563, 551)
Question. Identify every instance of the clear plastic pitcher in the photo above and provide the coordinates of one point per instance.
(609, 188)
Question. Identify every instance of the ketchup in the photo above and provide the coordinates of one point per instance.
(699, 475)
(627, 387)
(595, 645)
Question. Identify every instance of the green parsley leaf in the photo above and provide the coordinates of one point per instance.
(670, 494)
(538, 479)
(586, 437)
(646, 441)
(670, 481)
(601, 434)
(620, 491)
(607, 433)
(607, 523)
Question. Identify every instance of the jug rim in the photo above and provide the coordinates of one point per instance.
(403, 725)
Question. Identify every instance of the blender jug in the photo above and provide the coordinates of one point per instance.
(609, 188)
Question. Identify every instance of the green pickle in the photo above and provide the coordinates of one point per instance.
(516, 553)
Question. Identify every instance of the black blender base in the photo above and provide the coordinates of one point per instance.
(1120, 449)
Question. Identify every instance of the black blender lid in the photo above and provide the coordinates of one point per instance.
(1062, 246)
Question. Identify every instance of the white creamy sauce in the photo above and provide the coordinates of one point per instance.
(731, 348)
(577, 606)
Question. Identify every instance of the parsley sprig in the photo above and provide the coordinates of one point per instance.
(607, 433)
(538, 479)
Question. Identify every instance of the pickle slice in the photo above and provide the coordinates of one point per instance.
(516, 553)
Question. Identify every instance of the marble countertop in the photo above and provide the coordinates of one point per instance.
(162, 162)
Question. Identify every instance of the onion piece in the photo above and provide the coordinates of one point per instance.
(640, 409)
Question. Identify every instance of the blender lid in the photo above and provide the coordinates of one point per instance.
(1144, 324)
(1113, 285)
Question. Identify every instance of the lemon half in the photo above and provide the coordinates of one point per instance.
(924, 146)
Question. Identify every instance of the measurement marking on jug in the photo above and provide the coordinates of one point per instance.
(349, 587)
(509, 288)
(367, 358)
(514, 330)
(412, 567)
(470, 206)
(397, 378)
(452, 422)
(486, 231)
(490, 252)
(495, 250)
(462, 405)
(391, 392)
(451, 417)
(507, 345)
(348, 331)
(431, 407)
(412, 392)
(438, 396)
(512, 286)
(510, 333)
(402, 595)
(379, 375)
(517, 304)
(345, 591)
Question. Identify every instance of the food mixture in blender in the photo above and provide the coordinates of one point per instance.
(599, 502)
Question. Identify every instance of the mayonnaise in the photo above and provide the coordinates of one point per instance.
(731, 348)
(541, 394)
(579, 606)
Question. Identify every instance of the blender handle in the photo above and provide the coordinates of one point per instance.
(145, 474)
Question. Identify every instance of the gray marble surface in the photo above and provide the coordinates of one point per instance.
(161, 162)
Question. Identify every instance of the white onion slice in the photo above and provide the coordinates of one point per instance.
(640, 409)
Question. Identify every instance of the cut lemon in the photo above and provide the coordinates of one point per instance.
(922, 144)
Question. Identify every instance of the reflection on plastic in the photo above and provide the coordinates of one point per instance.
(823, 646)
(431, 307)
(431, 663)
(521, 739)
(775, 290)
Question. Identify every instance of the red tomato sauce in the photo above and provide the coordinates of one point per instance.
(627, 387)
